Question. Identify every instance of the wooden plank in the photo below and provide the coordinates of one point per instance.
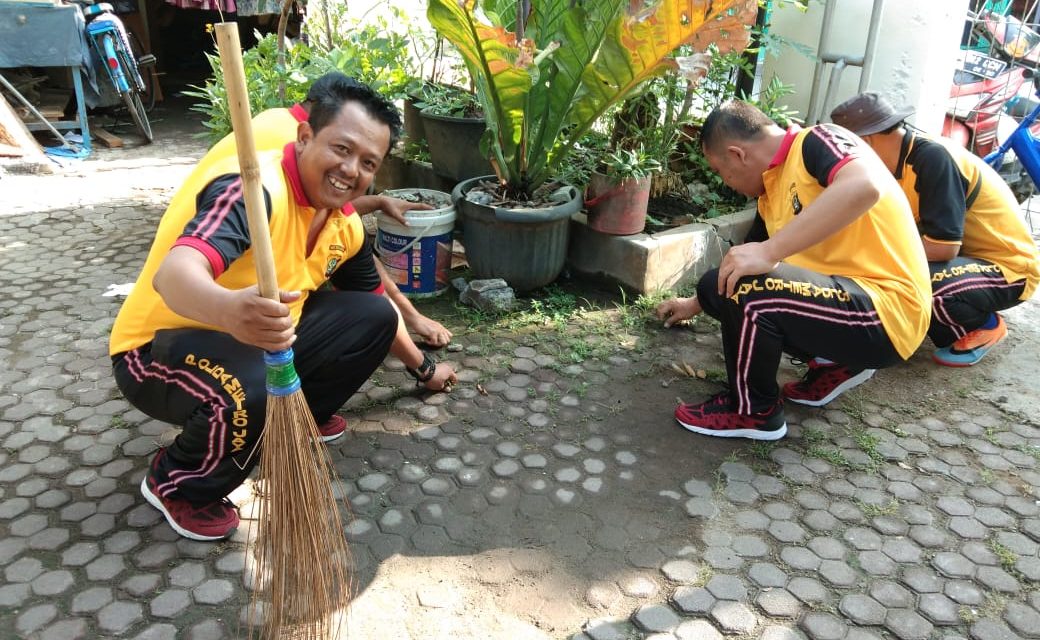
(106, 138)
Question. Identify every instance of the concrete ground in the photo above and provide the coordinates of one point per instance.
(550, 495)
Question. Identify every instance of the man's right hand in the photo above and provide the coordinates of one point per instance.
(252, 319)
(677, 309)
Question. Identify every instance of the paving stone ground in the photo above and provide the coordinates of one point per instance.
(550, 495)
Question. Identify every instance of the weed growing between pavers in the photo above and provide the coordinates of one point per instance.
(1007, 556)
(992, 608)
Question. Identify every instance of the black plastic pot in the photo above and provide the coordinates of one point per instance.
(525, 247)
(455, 146)
(413, 124)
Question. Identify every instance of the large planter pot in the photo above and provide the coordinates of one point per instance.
(524, 247)
(413, 124)
(617, 208)
(455, 146)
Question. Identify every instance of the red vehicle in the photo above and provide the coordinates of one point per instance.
(977, 105)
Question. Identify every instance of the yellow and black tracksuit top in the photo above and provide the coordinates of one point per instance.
(957, 197)
(211, 218)
(272, 130)
(880, 250)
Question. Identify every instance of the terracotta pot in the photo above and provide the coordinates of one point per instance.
(617, 208)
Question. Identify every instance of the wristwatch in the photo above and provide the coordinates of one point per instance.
(425, 370)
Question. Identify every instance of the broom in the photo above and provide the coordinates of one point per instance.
(301, 553)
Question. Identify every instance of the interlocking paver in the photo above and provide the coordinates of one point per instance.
(823, 626)
(777, 545)
(733, 617)
(907, 624)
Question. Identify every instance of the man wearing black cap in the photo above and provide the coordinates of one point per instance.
(981, 256)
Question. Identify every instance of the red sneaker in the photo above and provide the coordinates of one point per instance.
(212, 522)
(717, 418)
(825, 382)
(333, 428)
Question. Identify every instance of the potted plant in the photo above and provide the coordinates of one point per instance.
(453, 123)
(617, 194)
(544, 74)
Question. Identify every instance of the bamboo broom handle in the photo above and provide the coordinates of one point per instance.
(238, 104)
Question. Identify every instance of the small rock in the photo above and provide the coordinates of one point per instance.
(480, 286)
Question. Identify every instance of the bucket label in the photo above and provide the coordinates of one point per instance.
(422, 268)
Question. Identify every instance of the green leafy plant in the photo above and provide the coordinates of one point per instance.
(624, 164)
(263, 76)
(372, 52)
(544, 76)
(444, 100)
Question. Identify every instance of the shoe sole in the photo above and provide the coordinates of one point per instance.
(851, 383)
(750, 434)
(965, 363)
(157, 503)
(327, 439)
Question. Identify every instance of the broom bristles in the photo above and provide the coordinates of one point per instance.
(301, 550)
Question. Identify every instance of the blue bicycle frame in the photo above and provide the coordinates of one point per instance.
(98, 29)
(1025, 145)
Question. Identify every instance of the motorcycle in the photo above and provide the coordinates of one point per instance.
(987, 91)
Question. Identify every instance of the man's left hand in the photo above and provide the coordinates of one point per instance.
(751, 259)
(396, 208)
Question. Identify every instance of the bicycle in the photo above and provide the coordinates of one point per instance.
(109, 40)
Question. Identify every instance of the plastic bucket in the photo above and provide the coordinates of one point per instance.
(417, 257)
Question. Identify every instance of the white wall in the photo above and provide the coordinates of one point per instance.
(913, 64)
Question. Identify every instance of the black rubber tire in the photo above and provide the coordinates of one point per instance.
(147, 73)
(138, 114)
(132, 100)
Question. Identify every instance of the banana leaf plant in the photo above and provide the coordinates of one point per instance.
(545, 70)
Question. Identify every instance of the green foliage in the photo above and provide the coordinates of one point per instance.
(545, 78)
(445, 100)
(584, 159)
(373, 52)
(624, 164)
(263, 76)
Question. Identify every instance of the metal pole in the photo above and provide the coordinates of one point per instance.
(28, 105)
(872, 34)
(828, 19)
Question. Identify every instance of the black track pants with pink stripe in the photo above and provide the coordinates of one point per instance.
(214, 387)
(965, 291)
(797, 311)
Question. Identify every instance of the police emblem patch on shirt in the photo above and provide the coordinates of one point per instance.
(331, 268)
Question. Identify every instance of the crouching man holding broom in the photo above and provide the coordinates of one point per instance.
(188, 344)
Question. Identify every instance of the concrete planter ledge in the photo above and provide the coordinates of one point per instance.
(648, 263)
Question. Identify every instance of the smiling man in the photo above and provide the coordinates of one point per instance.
(835, 271)
(187, 346)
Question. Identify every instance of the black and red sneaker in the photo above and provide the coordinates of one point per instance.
(825, 382)
(716, 417)
(214, 521)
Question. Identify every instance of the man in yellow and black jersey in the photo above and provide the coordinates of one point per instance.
(835, 270)
(981, 256)
(272, 129)
(188, 344)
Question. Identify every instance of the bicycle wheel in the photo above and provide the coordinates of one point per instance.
(138, 114)
(146, 71)
(132, 98)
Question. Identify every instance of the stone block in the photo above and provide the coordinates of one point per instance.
(649, 263)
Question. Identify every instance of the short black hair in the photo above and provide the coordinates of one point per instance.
(733, 120)
(331, 91)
